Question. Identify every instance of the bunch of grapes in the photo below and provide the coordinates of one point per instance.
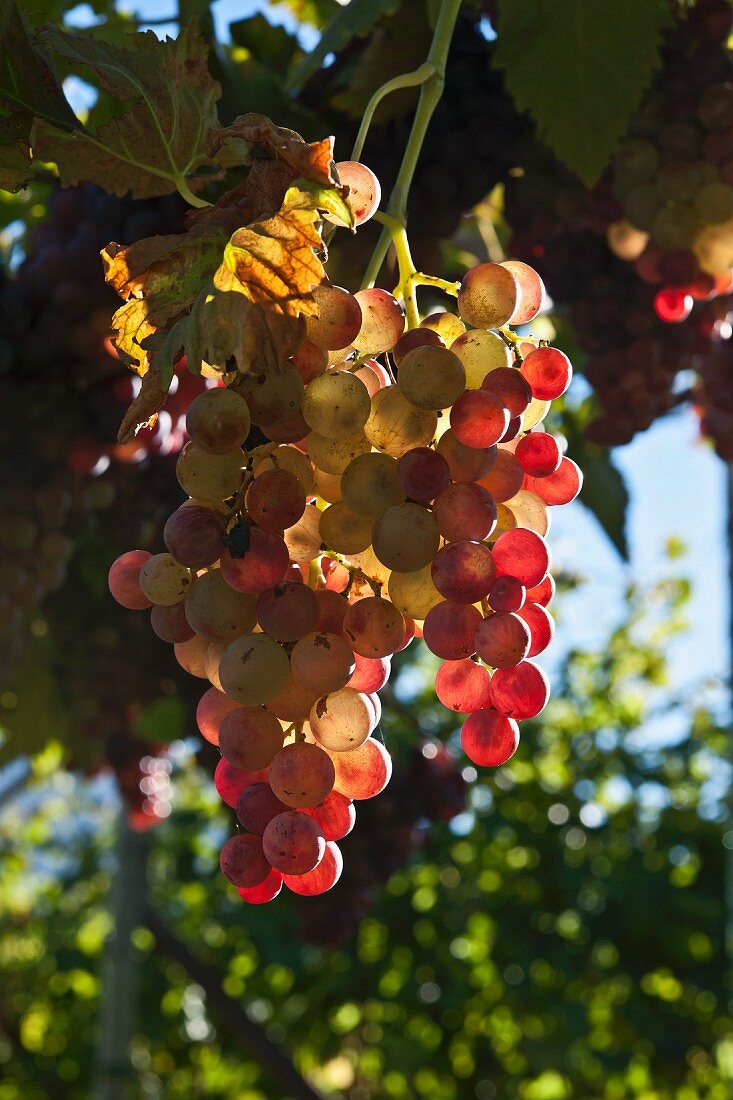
(66, 391)
(405, 487)
(426, 787)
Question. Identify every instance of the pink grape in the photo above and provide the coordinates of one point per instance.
(374, 376)
(479, 419)
(262, 566)
(336, 815)
(489, 296)
(370, 674)
(505, 478)
(265, 891)
(465, 511)
(287, 429)
(463, 686)
(520, 692)
(365, 191)
(522, 554)
(288, 612)
(194, 535)
(463, 571)
(539, 454)
(489, 738)
(560, 487)
(374, 627)
(293, 702)
(338, 320)
(230, 781)
(124, 580)
(548, 371)
(363, 772)
(332, 608)
(410, 633)
(515, 427)
(531, 291)
(256, 807)
(301, 774)
(169, 622)
(465, 463)
(322, 878)
(507, 594)
(502, 639)
(309, 361)
(211, 711)
(275, 500)
(510, 387)
(293, 843)
(450, 628)
(243, 861)
(415, 338)
(541, 627)
(250, 737)
(322, 662)
(543, 592)
(422, 473)
(383, 321)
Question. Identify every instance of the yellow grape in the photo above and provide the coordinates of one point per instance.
(345, 531)
(405, 538)
(369, 484)
(432, 377)
(396, 425)
(209, 478)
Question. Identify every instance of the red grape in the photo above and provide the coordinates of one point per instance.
(489, 739)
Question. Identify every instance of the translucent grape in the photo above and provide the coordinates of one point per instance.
(211, 711)
(511, 387)
(265, 891)
(243, 861)
(261, 566)
(363, 772)
(447, 325)
(170, 623)
(449, 630)
(481, 352)
(123, 580)
(505, 478)
(288, 429)
(531, 291)
(369, 484)
(535, 414)
(191, 656)
(465, 511)
(414, 593)
(309, 361)
(432, 377)
(502, 640)
(303, 539)
(275, 500)
(365, 191)
(322, 878)
(230, 782)
(338, 320)
(327, 486)
(250, 737)
(335, 815)
(288, 612)
(370, 674)
(489, 296)
(374, 376)
(548, 371)
(302, 774)
(383, 321)
(541, 627)
(342, 720)
(209, 478)
(560, 487)
(164, 580)
(542, 593)
(218, 421)
(253, 669)
(293, 702)
(214, 654)
(522, 554)
(520, 692)
(422, 474)
(530, 512)
(293, 843)
(286, 457)
(273, 395)
(463, 571)
(216, 611)
(332, 608)
(507, 594)
(479, 419)
(374, 627)
(395, 425)
(405, 537)
(322, 662)
(415, 338)
(334, 455)
(193, 534)
(463, 686)
(336, 404)
(466, 463)
(489, 738)
(345, 531)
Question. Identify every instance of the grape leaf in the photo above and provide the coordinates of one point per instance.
(168, 105)
(354, 20)
(579, 68)
(27, 81)
(266, 42)
(316, 12)
(233, 146)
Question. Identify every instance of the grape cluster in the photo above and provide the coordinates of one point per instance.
(404, 487)
(66, 391)
(426, 787)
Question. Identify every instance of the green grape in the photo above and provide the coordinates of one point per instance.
(209, 478)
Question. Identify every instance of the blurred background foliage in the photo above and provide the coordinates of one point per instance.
(552, 931)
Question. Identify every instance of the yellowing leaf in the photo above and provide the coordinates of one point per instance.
(159, 136)
(232, 146)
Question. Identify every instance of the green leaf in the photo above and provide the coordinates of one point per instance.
(580, 68)
(316, 12)
(163, 721)
(353, 21)
(167, 100)
(604, 493)
(27, 81)
(271, 45)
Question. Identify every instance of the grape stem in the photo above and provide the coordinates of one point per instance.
(405, 80)
(410, 278)
(186, 193)
(431, 90)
